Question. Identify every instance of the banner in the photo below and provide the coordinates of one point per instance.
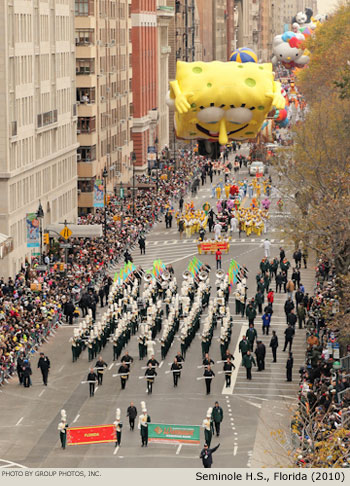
(98, 194)
(91, 435)
(33, 233)
(180, 434)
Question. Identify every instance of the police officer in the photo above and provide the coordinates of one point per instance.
(44, 365)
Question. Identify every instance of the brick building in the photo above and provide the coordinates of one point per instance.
(144, 39)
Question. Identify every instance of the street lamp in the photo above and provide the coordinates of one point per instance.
(105, 175)
(133, 158)
(40, 217)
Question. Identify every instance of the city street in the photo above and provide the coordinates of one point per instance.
(30, 416)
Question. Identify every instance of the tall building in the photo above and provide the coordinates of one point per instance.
(165, 16)
(145, 78)
(38, 123)
(206, 24)
(103, 93)
(185, 44)
(230, 27)
(219, 30)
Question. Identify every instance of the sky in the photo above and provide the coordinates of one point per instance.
(326, 6)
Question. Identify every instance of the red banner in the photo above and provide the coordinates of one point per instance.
(91, 435)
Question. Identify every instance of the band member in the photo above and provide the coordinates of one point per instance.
(124, 372)
(208, 427)
(208, 373)
(127, 359)
(228, 367)
(92, 378)
(100, 368)
(176, 374)
(62, 427)
(144, 420)
(118, 428)
(150, 374)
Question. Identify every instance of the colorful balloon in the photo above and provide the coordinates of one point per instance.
(244, 54)
(222, 101)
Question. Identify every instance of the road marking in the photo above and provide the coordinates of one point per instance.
(111, 366)
(235, 450)
(116, 450)
(161, 364)
(41, 393)
(96, 389)
(179, 449)
(61, 369)
(237, 358)
(20, 420)
(76, 418)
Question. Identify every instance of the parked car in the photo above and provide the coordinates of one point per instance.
(257, 167)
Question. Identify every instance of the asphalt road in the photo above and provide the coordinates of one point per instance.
(29, 417)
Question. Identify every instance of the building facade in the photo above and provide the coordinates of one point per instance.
(165, 16)
(103, 93)
(145, 78)
(219, 30)
(230, 28)
(184, 43)
(38, 147)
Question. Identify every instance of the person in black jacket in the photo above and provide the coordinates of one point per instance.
(206, 455)
(27, 371)
(260, 353)
(142, 245)
(44, 365)
(208, 374)
(289, 334)
(228, 367)
(289, 367)
(150, 375)
(69, 311)
(279, 282)
(292, 318)
(132, 414)
(288, 306)
(92, 378)
(93, 299)
(274, 346)
(20, 364)
(175, 369)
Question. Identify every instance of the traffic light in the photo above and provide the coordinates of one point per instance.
(46, 239)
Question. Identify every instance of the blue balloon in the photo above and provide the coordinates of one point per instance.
(288, 35)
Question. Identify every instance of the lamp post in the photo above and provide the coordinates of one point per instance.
(105, 175)
(40, 217)
(133, 158)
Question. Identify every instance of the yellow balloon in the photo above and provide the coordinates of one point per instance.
(222, 101)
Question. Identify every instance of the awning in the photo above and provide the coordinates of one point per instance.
(78, 230)
(6, 245)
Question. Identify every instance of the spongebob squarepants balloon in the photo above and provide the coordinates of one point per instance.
(222, 101)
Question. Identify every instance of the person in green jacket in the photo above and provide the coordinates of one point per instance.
(259, 299)
(250, 313)
(217, 416)
(244, 346)
(251, 335)
(248, 361)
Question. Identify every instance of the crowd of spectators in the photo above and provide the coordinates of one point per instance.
(33, 301)
(321, 425)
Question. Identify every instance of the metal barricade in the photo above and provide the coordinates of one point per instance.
(345, 362)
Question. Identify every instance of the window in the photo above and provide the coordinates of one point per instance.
(84, 37)
(86, 95)
(86, 185)
(86, 154)
(87, 124)
(83, 8)
(85, 66)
